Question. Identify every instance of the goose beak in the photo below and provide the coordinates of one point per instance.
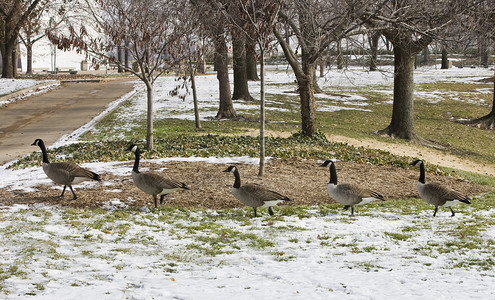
(33, 144)
(226, 170)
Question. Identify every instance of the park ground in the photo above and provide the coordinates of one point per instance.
(110, 243)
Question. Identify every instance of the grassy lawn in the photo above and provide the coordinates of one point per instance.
(57, 249)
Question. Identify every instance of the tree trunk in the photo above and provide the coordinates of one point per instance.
(485, 122)
(483, 49)
(445, 59)
(340, 61)
(14, 62)
(306, 94)
(195, 100)
(252, 73)
(126, 56)
(149, 116)
(304, 73)
(119, 59)
(373, 40)
(200, 66)
(426, 55)
(241, 89)
(226, 108)
(7, 63)
(262, 114)
(402, 124)
(316, 87)
(321, 62)
(29, 58)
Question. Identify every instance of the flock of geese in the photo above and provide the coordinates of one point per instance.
(253, 195)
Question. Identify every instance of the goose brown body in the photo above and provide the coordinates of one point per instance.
(254, 195)
(65, 173)
(437, 194)
(348, 194)
(152, 183)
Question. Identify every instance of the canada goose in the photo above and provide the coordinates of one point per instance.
(254, 195)
(437, 194)
(66, 173)
(347, 193)
(153, 183)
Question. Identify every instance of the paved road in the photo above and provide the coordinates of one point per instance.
(54, 114)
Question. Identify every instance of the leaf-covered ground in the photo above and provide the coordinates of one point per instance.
(304, 181)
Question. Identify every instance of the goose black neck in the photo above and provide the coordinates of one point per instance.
(136, 161)
(43, 151)
(237, 182)
(333, 173)
(422, 172)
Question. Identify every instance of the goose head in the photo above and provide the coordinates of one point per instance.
(37, 142)
(132, 148)
(230, 169)
(416, 163)
(327, 162)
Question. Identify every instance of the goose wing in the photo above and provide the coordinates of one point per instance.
(162, 182)
(446, 193)
(71, 170)
(352, 190)
(354, 194)
(260, 192)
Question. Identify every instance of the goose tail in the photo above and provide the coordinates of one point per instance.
(95, 176)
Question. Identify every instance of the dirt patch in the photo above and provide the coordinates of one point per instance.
(301, 180)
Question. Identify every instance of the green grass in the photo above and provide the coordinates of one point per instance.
(174, 137)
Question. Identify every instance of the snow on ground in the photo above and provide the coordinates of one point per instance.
(56, 253)
(28, 87)
(60, 254)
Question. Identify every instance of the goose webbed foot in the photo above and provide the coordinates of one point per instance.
(270, 211)
(73, 194)
(61, 195)
(436, 209)
(451, 210)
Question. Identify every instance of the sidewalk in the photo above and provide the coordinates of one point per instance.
(54, 114)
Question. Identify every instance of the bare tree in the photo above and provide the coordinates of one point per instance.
(251, 62)
(197, 47)
(150, 30)
(316, 24)
(481, 21)
(260, 16)
(410, 26)
(239, 57)
(13, 15)
(215, 27)
(46, 18)
(373, 40)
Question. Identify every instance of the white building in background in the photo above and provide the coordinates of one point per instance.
(46, 57)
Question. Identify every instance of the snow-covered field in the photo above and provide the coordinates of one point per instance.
(308, 253)
(51, 253)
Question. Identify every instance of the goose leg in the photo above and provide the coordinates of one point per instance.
(453, 213)
(255, 212)
(161, 199)
(346, 207)
(156, 201)
(352, 210)
(436, 209)
(63, 191)
(270, 211)
(61, 195)
(73, 194)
